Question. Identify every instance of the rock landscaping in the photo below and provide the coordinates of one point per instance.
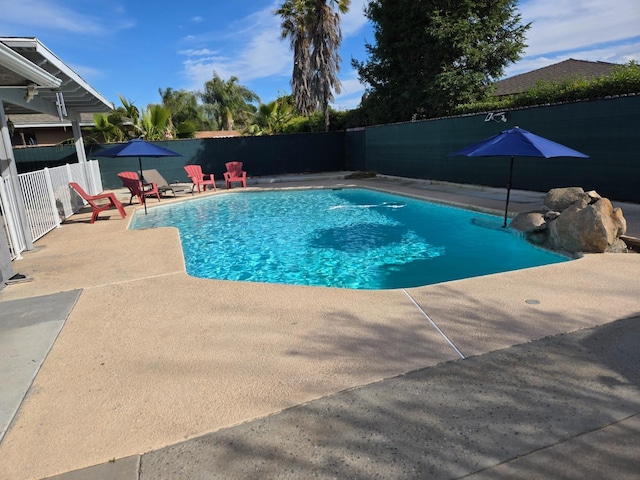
(574, 221)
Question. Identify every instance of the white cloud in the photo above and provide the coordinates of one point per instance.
(197, 52)
(617, 54)
(353, 22)
(46, 14)
(351, 92)
(562, 25)
(351, 85)
(252, 49)
(594, 30)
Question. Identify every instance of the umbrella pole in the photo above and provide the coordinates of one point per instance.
(144, 197)
(506, 207)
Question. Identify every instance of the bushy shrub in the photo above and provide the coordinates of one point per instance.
(623, 80)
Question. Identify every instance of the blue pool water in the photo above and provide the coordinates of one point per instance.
(349, 238)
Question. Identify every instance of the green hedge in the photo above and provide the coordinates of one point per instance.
(623, 80)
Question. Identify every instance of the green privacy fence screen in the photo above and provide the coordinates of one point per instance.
(262, 156)
(607, 130)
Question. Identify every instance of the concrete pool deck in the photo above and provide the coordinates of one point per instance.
(150, 373)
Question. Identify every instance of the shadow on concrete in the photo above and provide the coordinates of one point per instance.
(447, 421)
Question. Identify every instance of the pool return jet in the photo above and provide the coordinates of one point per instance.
(516, 142)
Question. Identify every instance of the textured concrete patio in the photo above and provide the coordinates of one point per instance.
(149, 357)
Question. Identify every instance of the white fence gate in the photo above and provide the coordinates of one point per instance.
(47, 200)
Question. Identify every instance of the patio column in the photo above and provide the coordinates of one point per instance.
(77, 136)
(79, 143)
(6, 269)
(9, 171)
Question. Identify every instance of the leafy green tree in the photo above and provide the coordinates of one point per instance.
(434, 54)
(313, 30)
(187, 116)
(228, 102)
(186, 113)
(182, 104)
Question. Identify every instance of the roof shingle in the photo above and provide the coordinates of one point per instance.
(560, 71)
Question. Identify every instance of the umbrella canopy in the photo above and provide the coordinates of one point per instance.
(138, 148)
(516, 142)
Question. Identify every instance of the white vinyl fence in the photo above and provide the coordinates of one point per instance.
(47, 198)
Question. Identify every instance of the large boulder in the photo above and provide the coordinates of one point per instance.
(560, 199)
(529, 222)
(572, 220)
(585, 227)
(533, 226)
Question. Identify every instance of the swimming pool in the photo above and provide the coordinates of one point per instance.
(346, 238)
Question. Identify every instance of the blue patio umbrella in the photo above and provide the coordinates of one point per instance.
(138, 148)
(516, 142)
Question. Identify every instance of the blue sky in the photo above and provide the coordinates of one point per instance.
(134, 48)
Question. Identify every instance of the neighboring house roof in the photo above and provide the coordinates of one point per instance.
(560, 71)
(216, 134)
(42, 120)
(39, 120)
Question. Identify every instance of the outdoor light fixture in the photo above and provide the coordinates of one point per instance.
(499, 117)
(32, 91)
(23, 67)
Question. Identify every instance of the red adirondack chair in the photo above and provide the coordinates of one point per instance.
(131, 180)
(91, 200)
(235, 173)
(194, 172)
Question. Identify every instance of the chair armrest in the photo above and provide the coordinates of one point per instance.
(101, 196)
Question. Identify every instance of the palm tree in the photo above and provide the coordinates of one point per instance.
(155, 123)
(326, 37)
(117, 119)
(228, 101)
(271, 118)
(131, 111)
(313, 29)
(293, 27)
(102, 130)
